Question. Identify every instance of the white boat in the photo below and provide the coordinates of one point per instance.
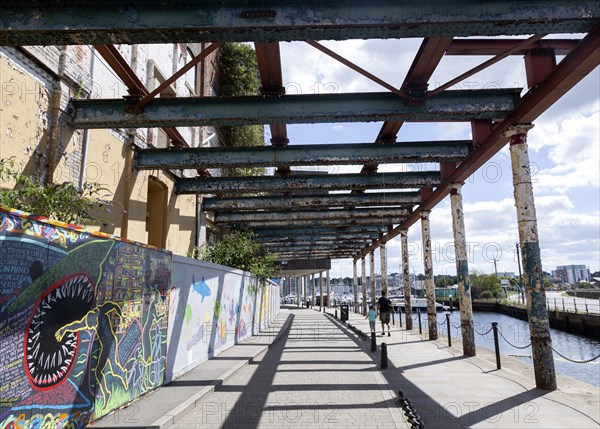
(415, 304)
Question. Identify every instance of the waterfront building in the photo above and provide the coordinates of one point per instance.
(572, 273)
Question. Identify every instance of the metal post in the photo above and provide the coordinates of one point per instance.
(419, 314)
(312, 288)
(575, 305)
(373, 341)
(533, 278)
(363, 266)
(372, 278)
(555, 307)
(406, 279)
(448, 327)
(328, 290)
(462, 272)
(399, 316)
(496, 344)
(384, 358)
(355, 286)
(321, 290)
(428, 268)
(383, 261)
(563, 303)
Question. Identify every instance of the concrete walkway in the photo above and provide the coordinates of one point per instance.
(450, 391)
(315, 376)
(309, 370)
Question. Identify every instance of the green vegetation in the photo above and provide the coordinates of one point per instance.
(481, 283)
(238, 76)
(240, 250)
(64, 202)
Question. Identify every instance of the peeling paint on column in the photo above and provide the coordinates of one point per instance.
(428, 268)
(533, 279)
(383, 260)
(406, 279)
(363, 266)
(372, 278)
(355, 286)
(462, 271)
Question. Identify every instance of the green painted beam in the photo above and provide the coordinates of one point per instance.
(24, 22)
(384, 221)
(293, 155)
(223, 185)
(292, 216)
(407, 198)
(458, 105)
(318, 231)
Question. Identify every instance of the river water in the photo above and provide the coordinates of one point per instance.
(514, 339)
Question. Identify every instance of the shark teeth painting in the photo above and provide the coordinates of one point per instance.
(47, 360)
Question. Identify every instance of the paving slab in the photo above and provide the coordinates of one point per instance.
(452, 391)
(160, 407)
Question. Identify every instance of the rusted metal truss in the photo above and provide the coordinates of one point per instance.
(298, 215)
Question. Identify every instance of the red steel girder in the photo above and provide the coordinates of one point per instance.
(572, 69)
(498, 46)
(268, 58)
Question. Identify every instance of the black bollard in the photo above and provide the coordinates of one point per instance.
(384, 362)
(496, 344)
(336, 313)
(373, 342)
(420, 327)
(448, 323)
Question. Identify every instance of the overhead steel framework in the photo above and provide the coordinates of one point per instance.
(305, 215)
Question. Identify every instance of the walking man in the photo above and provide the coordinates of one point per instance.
(383, 308)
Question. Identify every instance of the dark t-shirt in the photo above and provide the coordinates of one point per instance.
(384, 305)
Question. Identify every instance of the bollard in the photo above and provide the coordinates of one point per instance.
(420, 327)
(336, 313)
(563, 301)
(384, 362)
(399, 316)
(393, 318)
(496, 345)
(575, 305)
(373, 342)
(586, 309)
(451, 308)
(449, 336)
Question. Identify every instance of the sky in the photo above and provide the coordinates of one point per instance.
(563, 149)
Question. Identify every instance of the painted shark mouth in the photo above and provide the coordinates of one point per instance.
(47, 360)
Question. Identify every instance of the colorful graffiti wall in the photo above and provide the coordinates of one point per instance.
(83, 322)
(212, 308)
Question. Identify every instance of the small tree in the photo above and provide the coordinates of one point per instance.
(240, 250)
(64, 202)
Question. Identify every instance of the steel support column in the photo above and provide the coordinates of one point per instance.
(355, 286)
(312, 289)
(533, 278)
(321, 290)
(372, 278)
(363, 266)
(462, 271)
(328, 290)
(406, 279)
(428, 268)
(383, 261)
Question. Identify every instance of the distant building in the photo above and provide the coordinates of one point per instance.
(508, 274)
(572, 273)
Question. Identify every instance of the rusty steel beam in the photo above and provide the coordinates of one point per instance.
(298, 155)
(261, 216)
(25, 23)
(573, 68)
(458, 105)
(136, 88)
(384, 221)
(292, 231)
(225, 185)
(498, 46)
(370, 199)
(268, 59)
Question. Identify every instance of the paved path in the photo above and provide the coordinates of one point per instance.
(315, 375)
(450, 391)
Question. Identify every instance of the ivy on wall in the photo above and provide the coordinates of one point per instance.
(238, 76)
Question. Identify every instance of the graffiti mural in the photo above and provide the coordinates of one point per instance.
(83, 322)
(212, 308)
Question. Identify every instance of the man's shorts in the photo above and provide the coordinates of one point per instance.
(384, 317)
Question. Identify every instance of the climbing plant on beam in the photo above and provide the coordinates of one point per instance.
(238, 76)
